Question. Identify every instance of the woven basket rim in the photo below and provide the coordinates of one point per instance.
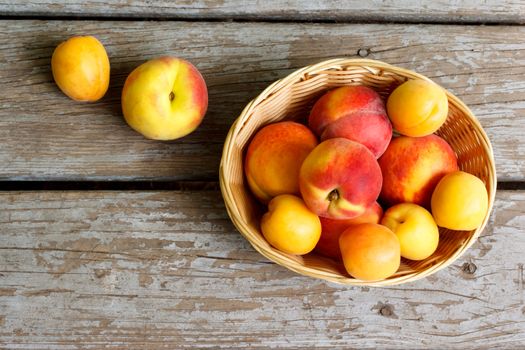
(302, 74)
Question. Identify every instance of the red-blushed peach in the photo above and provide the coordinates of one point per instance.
(373, 130)
(341, 102)
(164, 98)
(339, 179)
(412, 167)
(274, 158)
(328, 244)
(370, 252)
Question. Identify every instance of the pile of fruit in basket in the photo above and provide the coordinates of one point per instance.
(345, 187)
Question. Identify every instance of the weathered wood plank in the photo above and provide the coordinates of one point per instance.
(46, 136)
(155, 270)
(495, 11)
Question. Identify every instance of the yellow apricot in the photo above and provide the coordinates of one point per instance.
(460, 201)
(417, 108)
(370, 252)
(290, 226)
(80, 67)
(415, 228)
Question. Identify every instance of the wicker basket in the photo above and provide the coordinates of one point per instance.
(291, 98)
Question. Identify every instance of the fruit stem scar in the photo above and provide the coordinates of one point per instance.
(333, 195)
(172, 96)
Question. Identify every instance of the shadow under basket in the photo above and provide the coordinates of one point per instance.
(291, 98)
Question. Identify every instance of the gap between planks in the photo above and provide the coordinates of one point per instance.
(321, 11)
(232, 19)
(151, 186)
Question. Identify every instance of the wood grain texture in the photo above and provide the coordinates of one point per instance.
(154, 270)
(494, 11)
(46, 136)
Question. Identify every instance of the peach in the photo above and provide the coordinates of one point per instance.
(290, 226)
(412, 167)
(80, 67)
(164, 98)
(372, 130)
(343, 101)
(339, 179)
(370, 252)
(417, 108)
(274, 158)
(328, 244)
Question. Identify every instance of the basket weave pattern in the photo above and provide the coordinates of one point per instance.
(291, 98)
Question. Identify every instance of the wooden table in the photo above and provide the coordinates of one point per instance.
(109, 240)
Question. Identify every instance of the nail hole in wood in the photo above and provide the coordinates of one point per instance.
(363, 52)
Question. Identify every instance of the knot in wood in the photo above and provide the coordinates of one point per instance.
(386, 310)
(469, 268)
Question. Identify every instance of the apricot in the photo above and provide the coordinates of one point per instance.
(274, 158)
(417, 108)
(290, 226)
(460, 201)
(328, 244)
(415, 228)
(370, 251)
(80, 67)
